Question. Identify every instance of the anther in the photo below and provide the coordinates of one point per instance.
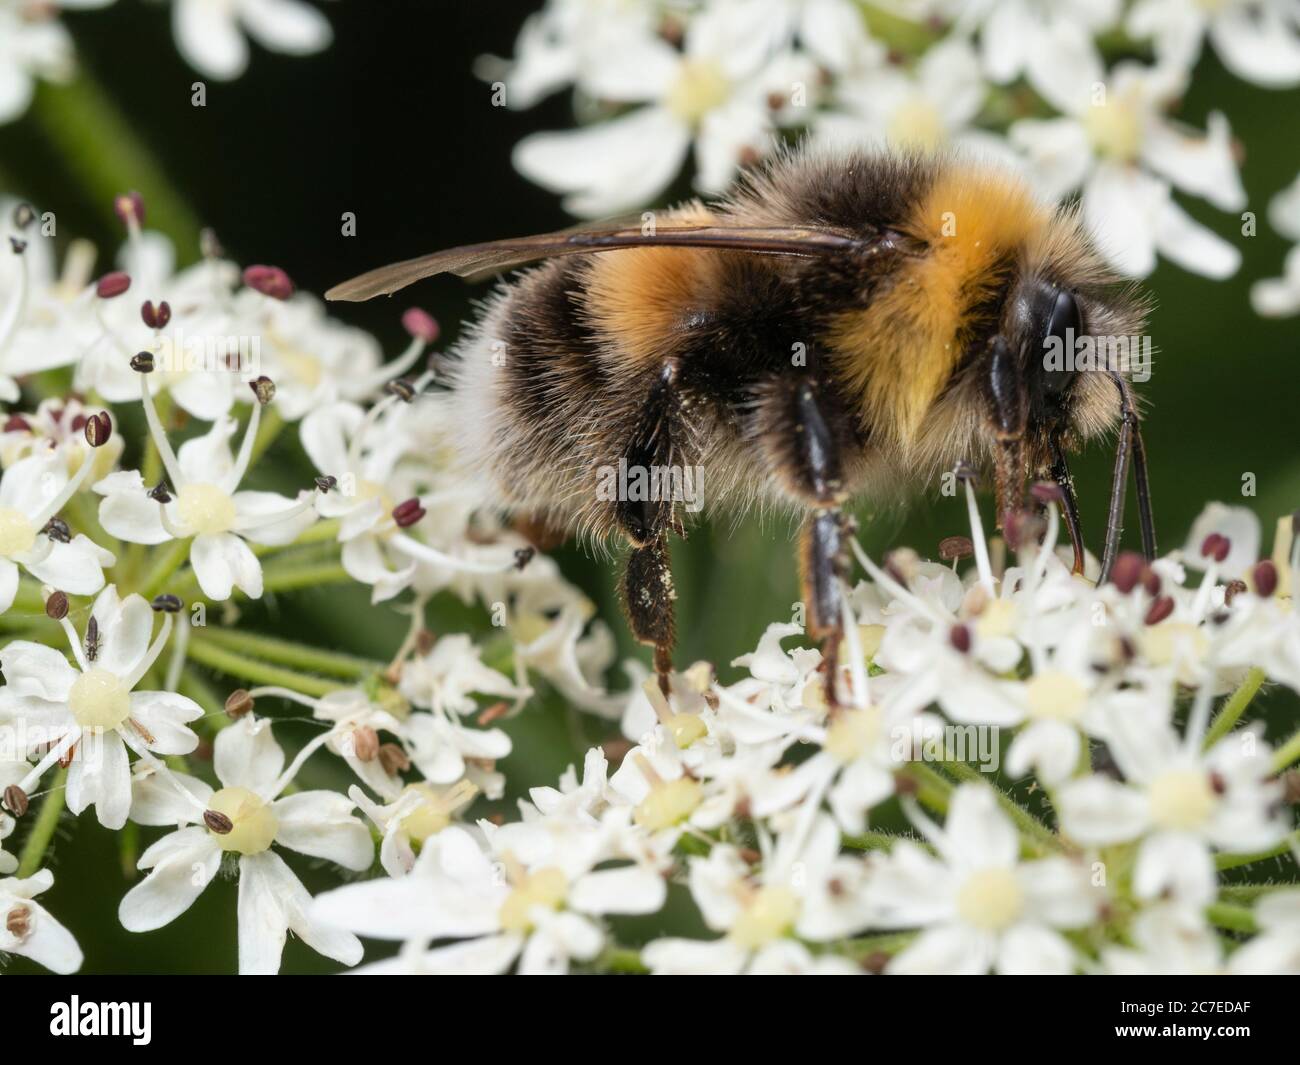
(365, 743)
(269, 281)
(18, 922)
(218, 822)
(401, 388)
(421, 325)
(264, 389)
(326, 483)
(23, 216)
(1159, 610)
(393, 759)
(524, 556)
(56, 606)
(1127, 572)
(959, 637)
(98, 428)
(112, 285)
(1047, 492)
(129, 207)
(1264, 577)
(408, 513)
(159, 493)
(142, 362)
(238, 704)
(954, 548)
(167, 604)
(15, 800)
(1231, 590)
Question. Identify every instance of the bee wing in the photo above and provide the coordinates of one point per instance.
(474, 261)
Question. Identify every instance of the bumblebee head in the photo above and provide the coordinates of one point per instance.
(1070, 338)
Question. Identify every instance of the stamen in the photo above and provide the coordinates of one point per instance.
(857, 675)
(152, 656)
(977, 536)
(158, 436)
(424, 553)
(17, 308)
(69, 490)
(245, 458)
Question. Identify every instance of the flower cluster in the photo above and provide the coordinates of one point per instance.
(1022, 770)
(212, 36)
(1080, 97)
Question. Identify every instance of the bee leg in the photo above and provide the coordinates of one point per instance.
(823, 568)
(648, 596)
(808, 435)
(647, 520)
(1008, 408)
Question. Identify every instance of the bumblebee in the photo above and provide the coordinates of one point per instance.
(840, 325)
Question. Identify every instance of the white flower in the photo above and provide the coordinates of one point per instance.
(27, 928)
(805, 889)
(272, 901)
(1171, 939)
(206, 506)
(1280, 297)
(420, 811)
(979, 905)
(1276, 950)
(1118, 145)
(706, 95)
(210, 33)
(58, 426)
(33, 44)
(1179, 800)
(32, 491)
(925, 110)
(91, 714)
(531, 899)
(1258, 40)
(1050, 42)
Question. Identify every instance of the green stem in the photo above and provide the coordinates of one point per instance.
(1234, 861)
(886, 943)
(1244, 893)
(170, 558)
(622, 960)
(272, 424)
(872, 841)
(1232, 917)
(206, 653)
(1234, 707)
(297, 655)
(47, 820)
(293, 577)
(1027, 823)
(1287, 753)
(932, 788)
(79, 118)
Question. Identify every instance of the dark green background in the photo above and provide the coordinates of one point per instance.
(391, 124)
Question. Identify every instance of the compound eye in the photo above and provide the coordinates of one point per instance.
(1065, 316)
(1065, 325)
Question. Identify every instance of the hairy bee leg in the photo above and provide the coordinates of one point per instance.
(823, 557)
(1070, 509)
(648, 597)
(1118, 494)
(1008, 408)
(1145, 517)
